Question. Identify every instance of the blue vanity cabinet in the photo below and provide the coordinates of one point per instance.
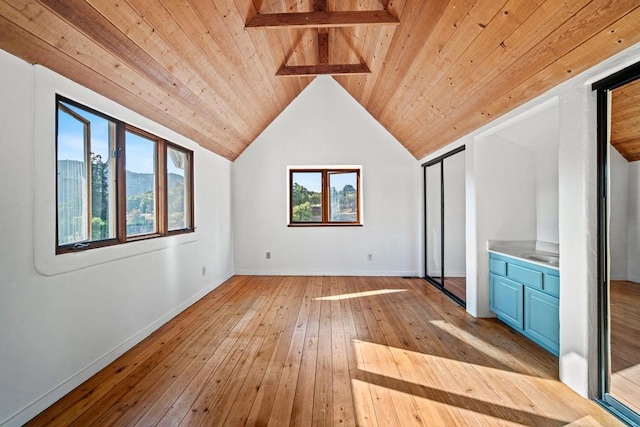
(526, 297)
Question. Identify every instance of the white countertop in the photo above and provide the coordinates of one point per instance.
(525, 250)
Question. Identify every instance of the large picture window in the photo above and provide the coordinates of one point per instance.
(324, 197)
(116, 183)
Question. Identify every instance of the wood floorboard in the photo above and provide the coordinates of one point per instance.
(374, 351)
(283, 398)
(625, 342)
(364, 406)
(171, 410)
(304, 388)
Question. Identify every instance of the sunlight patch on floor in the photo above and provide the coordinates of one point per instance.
(403, 408)
(442, 381)
(402, 358)
(478, 344)
(359, 294)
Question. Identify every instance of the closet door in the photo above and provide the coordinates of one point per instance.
(454, 238)
(445, 237)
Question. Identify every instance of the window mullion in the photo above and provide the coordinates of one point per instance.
(121, 183)
(325, 197)
(161, 187)
(89, 179)
(291, 183)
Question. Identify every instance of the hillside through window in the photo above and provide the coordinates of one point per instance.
(116, 183)
(141, 184)
(324, 197)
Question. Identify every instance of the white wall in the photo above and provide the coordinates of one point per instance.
(619, 215)
(547, 194)
(577, 216)
(538, 131)
(505, 200)
(62, 318)
(624, 218)
(325, 126)
(633, 223)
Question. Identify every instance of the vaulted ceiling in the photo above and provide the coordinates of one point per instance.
(191, 65)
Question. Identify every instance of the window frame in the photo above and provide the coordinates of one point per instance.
(120, 198)
(188, 182)
(326, 196)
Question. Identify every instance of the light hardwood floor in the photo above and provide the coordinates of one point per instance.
(625, 342)
(328, 351)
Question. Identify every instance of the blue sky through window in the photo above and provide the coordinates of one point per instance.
(338, 181)
(71, 141)
(312, 181)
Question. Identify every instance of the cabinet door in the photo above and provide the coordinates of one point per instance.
(542, 320)
(506, 300)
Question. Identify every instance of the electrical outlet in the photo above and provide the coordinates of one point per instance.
(268, 255)
(204, 270)
(369, 256)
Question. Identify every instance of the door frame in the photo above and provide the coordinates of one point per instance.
(603, 89)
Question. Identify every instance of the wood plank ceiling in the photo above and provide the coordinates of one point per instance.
(448, 68)
(625, 120)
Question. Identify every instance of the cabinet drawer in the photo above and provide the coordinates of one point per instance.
(525, 275)
(552, 284)
(542, 319)
(505, 299)
(498, 267)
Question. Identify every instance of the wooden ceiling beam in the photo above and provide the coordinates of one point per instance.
(320, 5)
(322, 19)
(323, 47)
(323, 34)
(322, 69)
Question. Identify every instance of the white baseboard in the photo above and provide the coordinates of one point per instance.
(49, 398)
(366, 273)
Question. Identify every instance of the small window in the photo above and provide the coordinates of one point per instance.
(116, 183)
(324, 197)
